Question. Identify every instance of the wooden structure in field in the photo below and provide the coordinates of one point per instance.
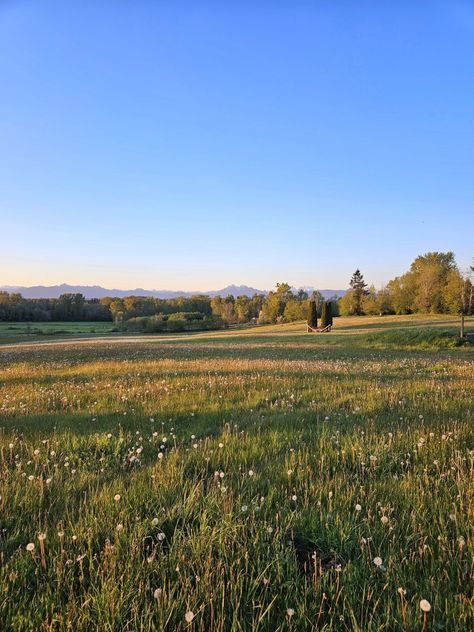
(318, 330)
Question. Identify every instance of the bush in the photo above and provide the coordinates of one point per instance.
(180, 321)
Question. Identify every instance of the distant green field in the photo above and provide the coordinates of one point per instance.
(252, 480)
(23, 332)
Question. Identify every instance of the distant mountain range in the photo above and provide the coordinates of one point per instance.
(96, 291)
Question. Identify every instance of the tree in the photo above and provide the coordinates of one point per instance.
(243, 308)
(318, 298)
(326, 314)
(274, 306)
(312, 314)
(369, 302)
(347, 304)
(458, 294)
(294, 310)
(359, 288)
(384, 302)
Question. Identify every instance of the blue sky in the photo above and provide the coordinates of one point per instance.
(191, 145)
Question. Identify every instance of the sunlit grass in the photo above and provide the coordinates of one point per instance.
(255, 480)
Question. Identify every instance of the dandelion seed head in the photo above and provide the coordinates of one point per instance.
(425, 605)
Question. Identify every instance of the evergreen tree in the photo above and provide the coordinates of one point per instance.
(312, 314)
(326, 314)
(359, 288)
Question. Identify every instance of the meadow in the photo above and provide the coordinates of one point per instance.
(20, 332)
(261, 479)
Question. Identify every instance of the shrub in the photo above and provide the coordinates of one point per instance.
(179, 321)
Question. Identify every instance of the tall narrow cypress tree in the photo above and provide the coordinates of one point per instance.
(312, 314)
(326, 314)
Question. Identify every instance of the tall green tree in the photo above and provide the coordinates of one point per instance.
(326, 314)
(312, 314)
(359, 288)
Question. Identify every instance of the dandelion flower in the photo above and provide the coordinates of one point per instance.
(377, 561)
(425, 605)
(358, 507)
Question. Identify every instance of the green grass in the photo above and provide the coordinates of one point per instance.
(274, 438)
(22, 332)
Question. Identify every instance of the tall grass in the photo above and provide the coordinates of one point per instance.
(227, 483)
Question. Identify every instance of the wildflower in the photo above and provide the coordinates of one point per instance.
(384, 519)
(221, 445)
(189, 616)
(117, 497)
(161, 536)
(377, 561)
(425, 605)
(244, 508)
(30, 547)
(294, 497)
(290, 612)
(250, 472)
(358, 507)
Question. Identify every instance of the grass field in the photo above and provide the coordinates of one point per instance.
(261, 479)
(21, 332)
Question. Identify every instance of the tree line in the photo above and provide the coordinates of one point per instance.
(433, 284)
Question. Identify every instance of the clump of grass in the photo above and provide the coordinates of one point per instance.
(416, 338)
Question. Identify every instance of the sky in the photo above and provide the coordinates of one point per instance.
(190, 145)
